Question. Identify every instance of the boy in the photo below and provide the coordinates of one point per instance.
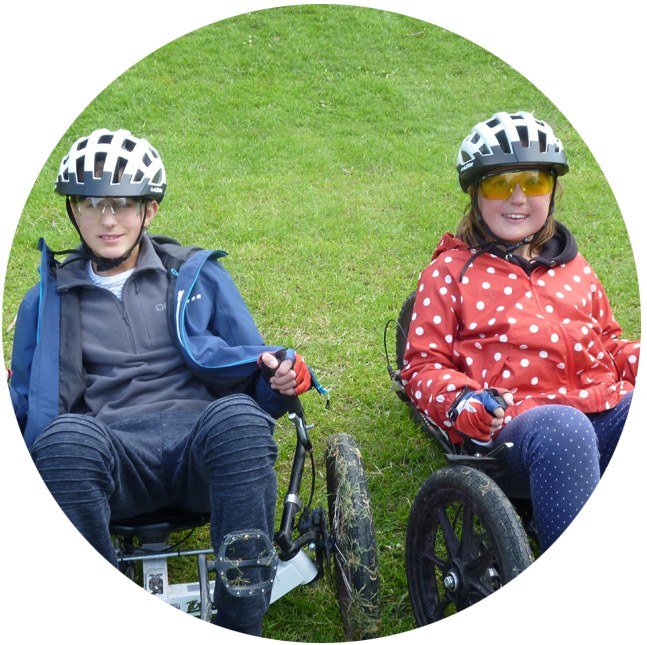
(135, 368)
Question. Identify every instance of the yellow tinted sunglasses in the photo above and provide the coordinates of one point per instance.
(532, 182)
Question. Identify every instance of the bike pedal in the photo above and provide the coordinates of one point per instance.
(256, 552)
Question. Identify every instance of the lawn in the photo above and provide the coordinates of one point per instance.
(317, 146)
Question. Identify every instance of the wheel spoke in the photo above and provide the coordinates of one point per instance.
(458, 514)
(341, 571)
(431, 556)
(466, 535)
(336, 514)
(340, 554)
(439, 610)
(480, 565)
(479, 586)
(451, 540)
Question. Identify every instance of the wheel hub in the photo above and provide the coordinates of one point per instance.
(453, 580)
(456, 575)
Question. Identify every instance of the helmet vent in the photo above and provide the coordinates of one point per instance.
(542, 141)
(465, 156)
(484, 150)
(158, 177)
(106, 138)
(80, 173)
(82, 144)
(154, 153)
(503, 141)
(522, 130)
(139, 175)
(492, 123)
(475, 139)
(99, 162)
(119, 170)
(146, 160)
(128, 144)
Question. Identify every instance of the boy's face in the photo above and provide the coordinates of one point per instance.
(111, 225)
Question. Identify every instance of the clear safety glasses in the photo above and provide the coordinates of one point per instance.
(94, 208)
(501, 185)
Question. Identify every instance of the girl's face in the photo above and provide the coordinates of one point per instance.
(516, 217)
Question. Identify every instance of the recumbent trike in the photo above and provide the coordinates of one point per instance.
(465, 538)
(346, 535)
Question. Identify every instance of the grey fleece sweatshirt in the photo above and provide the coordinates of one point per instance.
(131, 361)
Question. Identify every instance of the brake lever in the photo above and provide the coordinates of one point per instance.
(499, 449)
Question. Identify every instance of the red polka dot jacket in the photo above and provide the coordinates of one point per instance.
(547, 337)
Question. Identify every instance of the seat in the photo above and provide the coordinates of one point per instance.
(156, 523)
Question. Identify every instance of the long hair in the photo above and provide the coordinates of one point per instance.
(471, 231)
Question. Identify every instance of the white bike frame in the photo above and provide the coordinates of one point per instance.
(187, 597)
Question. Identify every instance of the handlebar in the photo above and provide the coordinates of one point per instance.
(292, 502)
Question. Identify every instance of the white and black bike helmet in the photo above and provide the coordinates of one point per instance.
(509, 140)
(111, 164)
(131, 167)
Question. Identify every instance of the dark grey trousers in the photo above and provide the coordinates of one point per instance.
(219, 460)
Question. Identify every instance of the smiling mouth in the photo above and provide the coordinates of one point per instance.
(515, 216)
(108, 238)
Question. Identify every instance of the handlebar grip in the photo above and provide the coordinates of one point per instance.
(498, 398)
(293, 404)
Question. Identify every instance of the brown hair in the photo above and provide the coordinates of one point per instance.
(469, 229)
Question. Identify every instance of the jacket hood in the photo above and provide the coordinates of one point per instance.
(560, 249)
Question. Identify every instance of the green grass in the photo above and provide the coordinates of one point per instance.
(317, 145)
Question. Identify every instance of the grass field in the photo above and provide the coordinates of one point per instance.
(317, 146)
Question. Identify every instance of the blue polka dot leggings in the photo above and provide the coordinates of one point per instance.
(558, 457)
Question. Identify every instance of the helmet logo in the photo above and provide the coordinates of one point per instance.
(155, 190)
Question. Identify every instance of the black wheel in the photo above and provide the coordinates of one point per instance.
(464, 541)
(353, 543)
(427, 426)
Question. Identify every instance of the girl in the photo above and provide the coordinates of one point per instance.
(508, 308)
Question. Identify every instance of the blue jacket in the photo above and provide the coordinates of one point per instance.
(216, 337)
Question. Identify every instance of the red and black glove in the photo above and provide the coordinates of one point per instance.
(303, 375)
(472, 412)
